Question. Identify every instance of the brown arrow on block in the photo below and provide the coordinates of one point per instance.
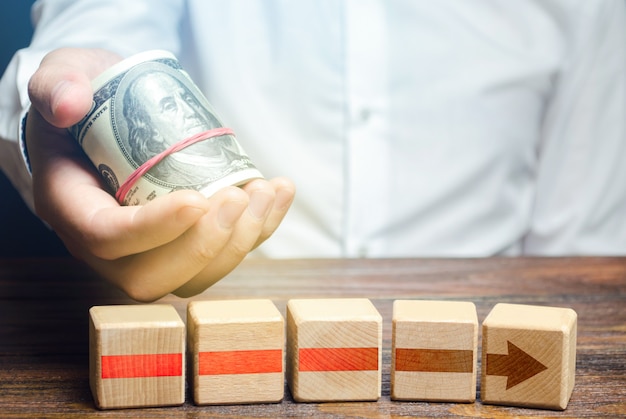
(517, 365)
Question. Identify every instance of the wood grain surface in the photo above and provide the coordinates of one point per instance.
(44, 303)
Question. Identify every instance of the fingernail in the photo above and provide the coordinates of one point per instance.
(260, 204)
(283, 199)
(230, 213)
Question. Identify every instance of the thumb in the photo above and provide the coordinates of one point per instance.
(61, 88)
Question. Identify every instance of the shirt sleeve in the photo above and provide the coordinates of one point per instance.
(122, 26)
(581, 179)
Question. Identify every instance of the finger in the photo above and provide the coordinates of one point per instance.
(150, 275)
(243, 238)
(119, 231)
(285, 193)
(61, 88)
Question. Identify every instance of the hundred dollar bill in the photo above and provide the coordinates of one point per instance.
(143, 105)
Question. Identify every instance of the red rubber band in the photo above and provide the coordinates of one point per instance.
(121, 193)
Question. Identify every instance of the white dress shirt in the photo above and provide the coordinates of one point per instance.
(410, 128)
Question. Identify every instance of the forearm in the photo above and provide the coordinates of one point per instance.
(13, 105)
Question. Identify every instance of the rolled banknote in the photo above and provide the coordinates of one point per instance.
(145, 105)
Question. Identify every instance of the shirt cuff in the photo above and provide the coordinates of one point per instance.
(21, 138)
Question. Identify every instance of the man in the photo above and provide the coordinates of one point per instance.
(447, 128)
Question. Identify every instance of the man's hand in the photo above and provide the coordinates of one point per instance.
(181, 242)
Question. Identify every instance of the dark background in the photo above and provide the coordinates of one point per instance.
(22, 234)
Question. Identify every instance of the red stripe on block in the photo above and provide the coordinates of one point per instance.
(135, 366)
(240, 362)
(338, 359)
(434, 360)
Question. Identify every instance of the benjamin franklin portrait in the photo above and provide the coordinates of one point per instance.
(160, 107)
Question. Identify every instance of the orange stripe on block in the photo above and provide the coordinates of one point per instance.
(135, 366)
(434, 360)
(338, 359)
(240, 362)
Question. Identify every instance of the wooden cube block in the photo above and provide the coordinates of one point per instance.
(529, 356)
(136, 356)
(334, 350)
(434, 351)
(237, 351)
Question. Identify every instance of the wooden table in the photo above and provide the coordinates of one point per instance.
(44, 341)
